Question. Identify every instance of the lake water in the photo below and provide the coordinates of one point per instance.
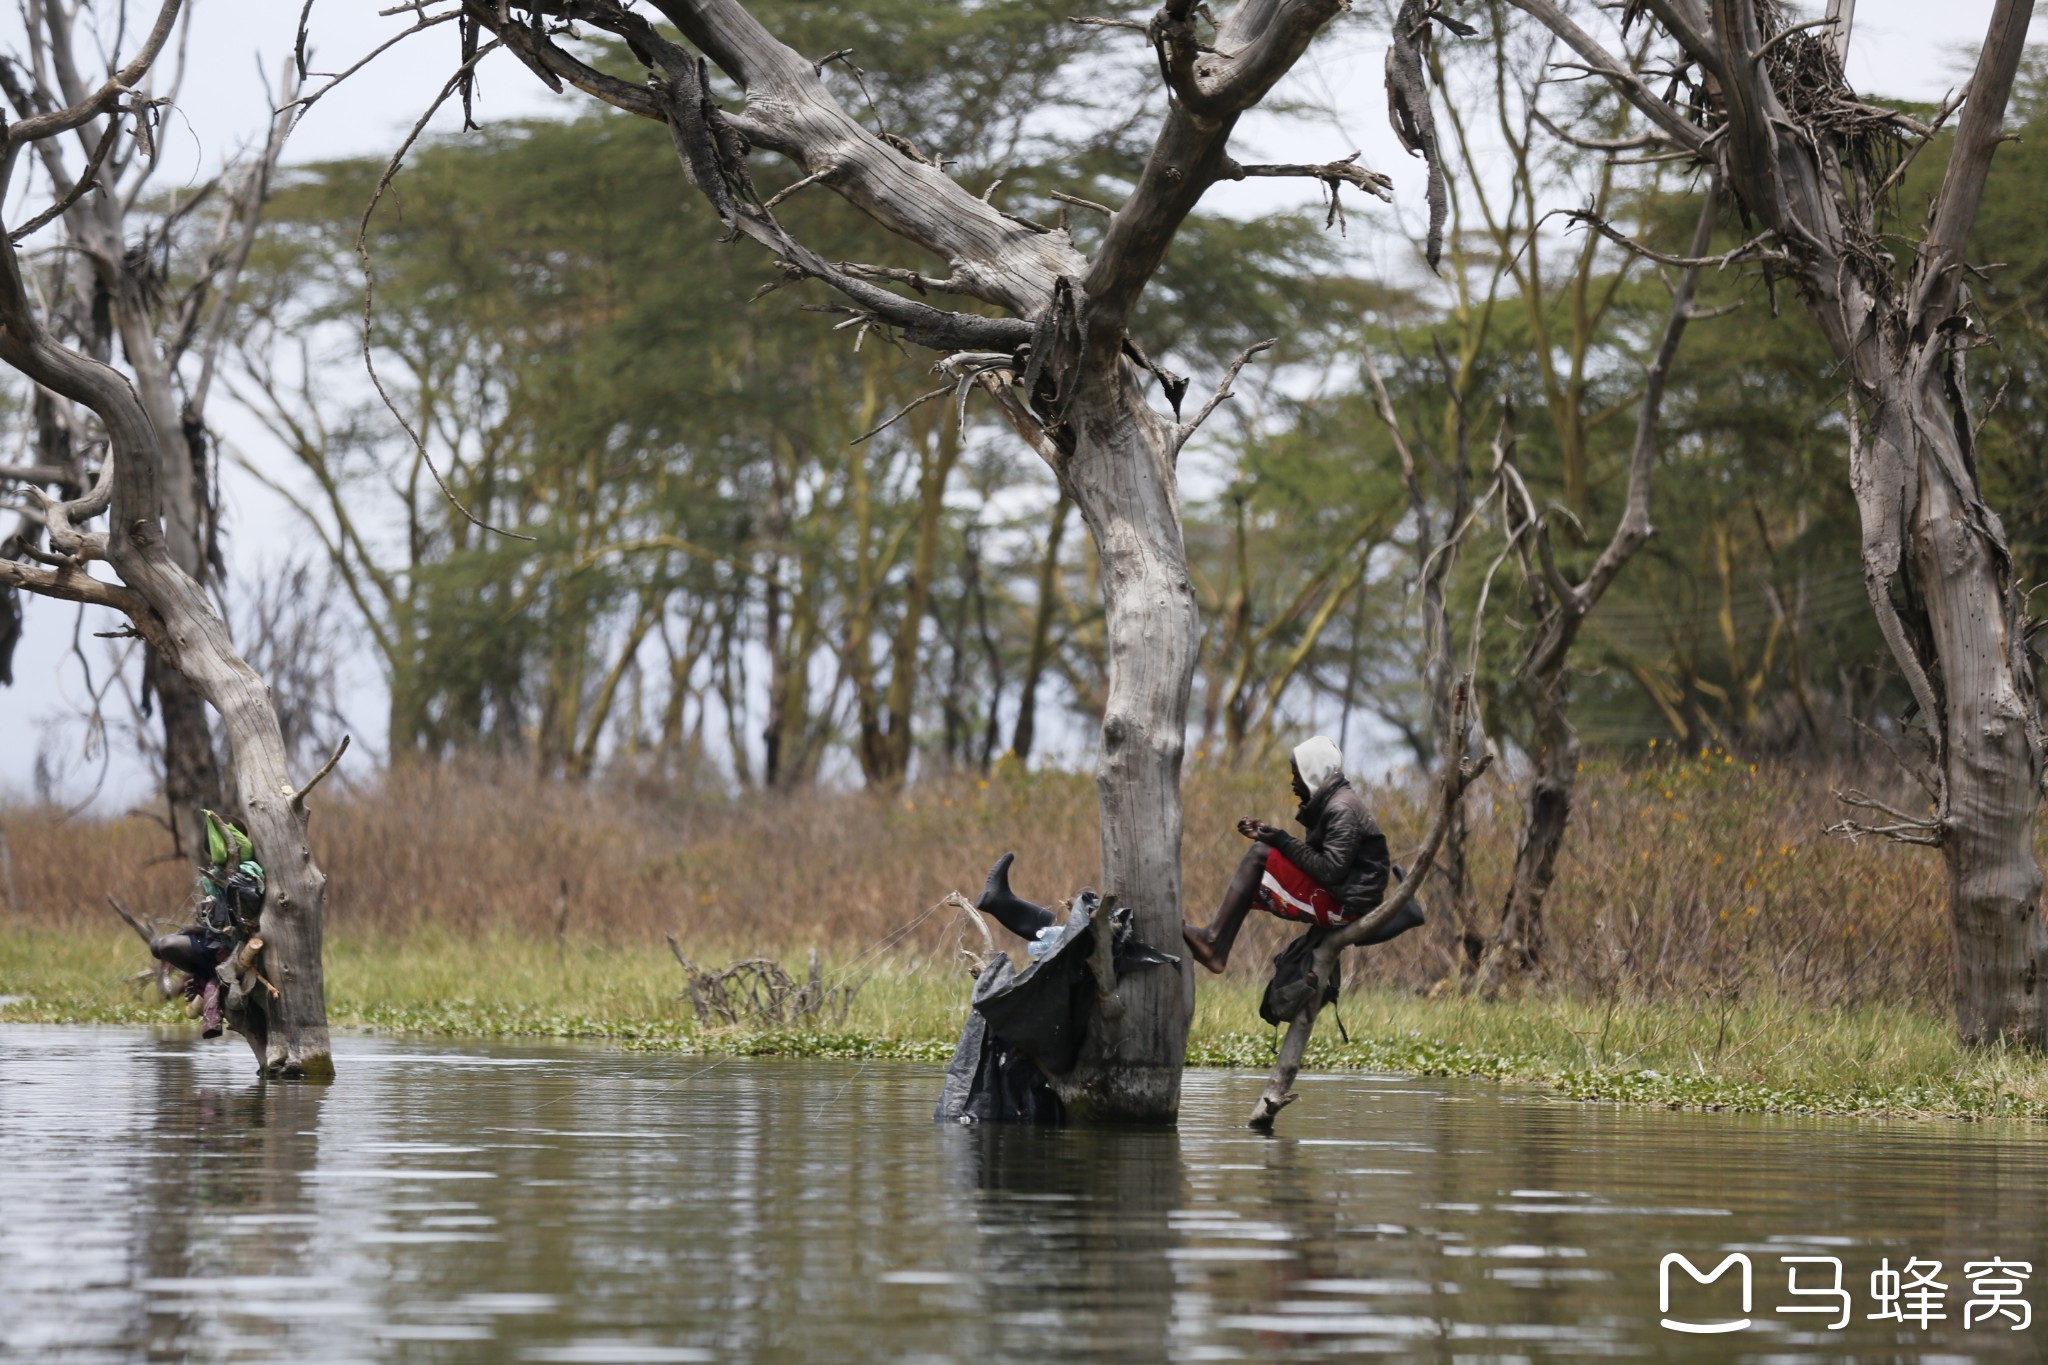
(509, 1202)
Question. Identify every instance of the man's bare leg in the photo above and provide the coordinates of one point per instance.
(1211, 945)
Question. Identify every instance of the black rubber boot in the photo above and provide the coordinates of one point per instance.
(1409, 917)
(1012, 911)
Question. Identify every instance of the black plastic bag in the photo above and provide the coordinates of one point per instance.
(1025, 1026)
(987, 1082)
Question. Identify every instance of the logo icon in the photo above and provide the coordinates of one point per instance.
(1734, 1258)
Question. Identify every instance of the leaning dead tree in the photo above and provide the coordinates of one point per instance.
(1057, 359)
(158, 276)
(133, 460)
(1738, 86)
(1557, 609)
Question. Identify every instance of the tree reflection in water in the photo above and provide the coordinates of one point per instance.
(1074, 1238)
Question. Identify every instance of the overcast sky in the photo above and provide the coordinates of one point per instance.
(1903, 48)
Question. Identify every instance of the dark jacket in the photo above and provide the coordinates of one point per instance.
(1343, 848)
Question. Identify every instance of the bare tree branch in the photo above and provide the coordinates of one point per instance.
(391, 169)
(1928, 830)
(72, 583)
(1332, 173)
(307, 101)
(1636, 143)
(86, 180)
(36, 473)
(1978, 134)
(1631, 87)
(940, 392)
(1843, 14)
(299, 797)
(35, 127)
(129, 919)
(1413, 116)
(1784, 35)
(1635, 527)
(1224, 392)
(1751, 250)
(1262, 39)
(794, 114)
(1078, 202)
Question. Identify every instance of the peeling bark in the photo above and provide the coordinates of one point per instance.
(1988, 782)
(1121, 477)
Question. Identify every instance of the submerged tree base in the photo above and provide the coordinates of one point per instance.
(1755, 1055)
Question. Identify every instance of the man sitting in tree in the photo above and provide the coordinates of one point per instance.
(1331, 876)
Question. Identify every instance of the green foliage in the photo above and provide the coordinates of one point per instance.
(589, 364)
(1744, 621)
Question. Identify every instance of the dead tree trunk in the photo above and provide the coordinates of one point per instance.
(191, 768)
(1812, 165)
(192, 778)
(174, 616)
(1559, 609)
(1121, 477)
(165, 605)
(158, 330)
(1061, 367)
(1923, 523)
(1517, 947)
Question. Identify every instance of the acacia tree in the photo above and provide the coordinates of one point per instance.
(1812, 166)
(142, 482)
(1058, 361)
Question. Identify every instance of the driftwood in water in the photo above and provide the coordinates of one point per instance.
(758, 993)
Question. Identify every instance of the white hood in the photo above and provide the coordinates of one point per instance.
(1318, 760)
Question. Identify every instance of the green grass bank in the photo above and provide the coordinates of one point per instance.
(1759, 1053)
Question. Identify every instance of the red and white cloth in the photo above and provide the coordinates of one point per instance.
(1290, 893)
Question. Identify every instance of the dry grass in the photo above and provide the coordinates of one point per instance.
(1710, 946)
(1683, 877)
